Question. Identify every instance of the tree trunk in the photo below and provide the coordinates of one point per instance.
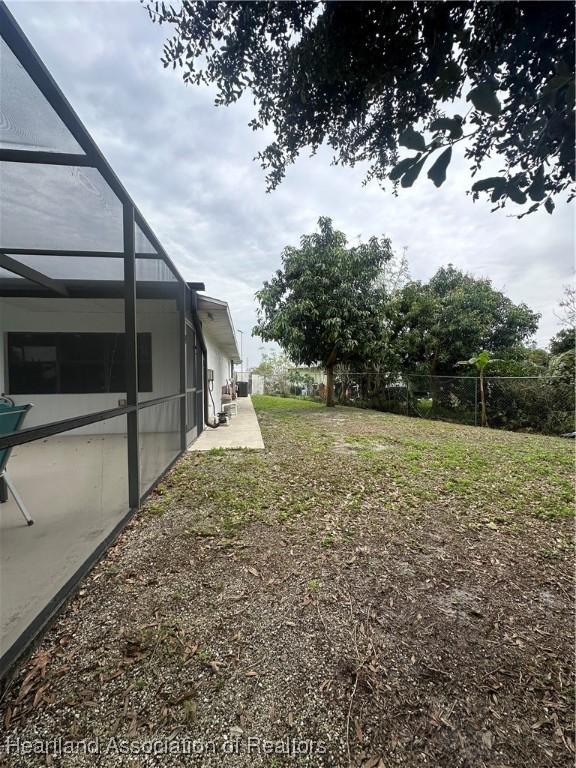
(483, 419)
(330, 386)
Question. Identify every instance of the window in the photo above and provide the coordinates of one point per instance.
(74, 363)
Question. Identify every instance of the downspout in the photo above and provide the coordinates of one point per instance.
(206, 405)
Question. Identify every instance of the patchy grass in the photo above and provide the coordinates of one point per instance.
(278, 405)
(397, 590)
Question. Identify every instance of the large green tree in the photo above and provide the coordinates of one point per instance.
(370, 78)
(434, 325)
(325, 305)
(563, 341)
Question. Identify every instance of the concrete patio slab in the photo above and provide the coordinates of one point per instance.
(242, 431)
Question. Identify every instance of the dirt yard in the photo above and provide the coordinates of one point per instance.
(371, 590)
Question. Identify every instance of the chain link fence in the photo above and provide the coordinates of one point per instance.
(543, 404)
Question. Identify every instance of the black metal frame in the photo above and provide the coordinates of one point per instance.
(89, 289)
(12, 265)
(86, 254)
(36, 284)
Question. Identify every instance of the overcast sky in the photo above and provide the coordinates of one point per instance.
(188, 165)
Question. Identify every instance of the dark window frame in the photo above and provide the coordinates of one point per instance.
(101, 371)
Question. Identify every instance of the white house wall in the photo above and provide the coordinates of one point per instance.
(93, 315)
(220, 364)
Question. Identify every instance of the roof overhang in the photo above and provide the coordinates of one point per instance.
(217, 322)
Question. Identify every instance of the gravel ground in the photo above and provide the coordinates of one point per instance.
(371, 590)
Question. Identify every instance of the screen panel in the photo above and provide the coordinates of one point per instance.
(58, 208)
(159, 440)
(45, 356)
(142, 244)
(27, 121)
(159, 318)
(157, 313)
(154, 270)
(71, 267)
(74, 363)
(92, 268)
(75, 488)
(6, 275)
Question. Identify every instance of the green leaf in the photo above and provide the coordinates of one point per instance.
(482, 359)
(549, 205)
(453, 125)
(411, 139)
(553, 85)
(450, 72)
(438, 171)
(412, 173)
(498, 192)
(562, 68)
(484, 99)
(482, 185)
(515, 193)
(448, 78)
(536, 190)
(401, 167)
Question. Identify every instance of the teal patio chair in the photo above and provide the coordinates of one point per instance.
(11, 419)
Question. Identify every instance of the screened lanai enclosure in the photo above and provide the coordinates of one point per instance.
(102, 366)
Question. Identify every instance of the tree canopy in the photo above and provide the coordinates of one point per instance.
(434, 325)
(272, 363)
(325, 306)
(563, 341)
(371, 78)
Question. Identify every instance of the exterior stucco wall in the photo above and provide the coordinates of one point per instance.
(221, 365)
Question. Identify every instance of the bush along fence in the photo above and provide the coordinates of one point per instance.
(543, 404)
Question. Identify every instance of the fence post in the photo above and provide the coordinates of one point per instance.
(475, 401)
(407, 396)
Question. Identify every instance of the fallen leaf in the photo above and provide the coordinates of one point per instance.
(24, 690)
(38, 696)
(487, 739)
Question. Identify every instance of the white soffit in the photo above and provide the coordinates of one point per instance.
(217, 322)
